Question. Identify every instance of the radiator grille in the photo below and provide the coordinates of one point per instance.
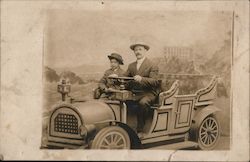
(66, 123)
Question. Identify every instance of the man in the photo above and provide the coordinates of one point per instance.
(146, 86)
(106, 85)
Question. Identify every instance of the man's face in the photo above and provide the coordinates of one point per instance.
(140, 52)
(114, 63)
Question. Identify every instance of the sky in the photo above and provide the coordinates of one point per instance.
(78, 37)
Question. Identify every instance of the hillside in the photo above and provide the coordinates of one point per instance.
(84, 69)
(51, 75)
(72, 77)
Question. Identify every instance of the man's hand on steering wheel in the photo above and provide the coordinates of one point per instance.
(138, 78)
(113, 75)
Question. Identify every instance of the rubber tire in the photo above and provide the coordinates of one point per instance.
(200, 145)
(98, 138)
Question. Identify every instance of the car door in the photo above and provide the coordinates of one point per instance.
(183, 113)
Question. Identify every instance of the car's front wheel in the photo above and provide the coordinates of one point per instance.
(112, 137)
(209, 133)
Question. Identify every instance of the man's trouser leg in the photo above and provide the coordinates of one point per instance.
(144, 105)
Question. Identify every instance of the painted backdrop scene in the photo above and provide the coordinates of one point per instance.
(185, 76)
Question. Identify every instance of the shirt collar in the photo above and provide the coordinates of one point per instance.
(141, 60)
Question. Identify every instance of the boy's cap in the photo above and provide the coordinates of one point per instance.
(117, 57)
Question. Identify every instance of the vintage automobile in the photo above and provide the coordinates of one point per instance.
(176, 122)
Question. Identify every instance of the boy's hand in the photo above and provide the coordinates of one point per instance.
(109, 90)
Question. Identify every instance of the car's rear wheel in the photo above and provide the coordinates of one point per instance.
(208, 133)
(112, 137)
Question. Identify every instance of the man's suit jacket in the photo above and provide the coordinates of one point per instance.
(149, 73)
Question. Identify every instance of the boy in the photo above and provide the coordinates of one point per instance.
(107, 85)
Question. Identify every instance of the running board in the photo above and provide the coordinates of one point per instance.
(176, 146)
(164, 138)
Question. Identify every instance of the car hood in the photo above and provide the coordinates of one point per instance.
(94, 111)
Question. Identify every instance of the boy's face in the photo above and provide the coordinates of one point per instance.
(114, 63)
(140, 52)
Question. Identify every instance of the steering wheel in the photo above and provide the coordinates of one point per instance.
(122, 80)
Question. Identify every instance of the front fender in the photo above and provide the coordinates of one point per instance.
(135, 141)
(199, 117)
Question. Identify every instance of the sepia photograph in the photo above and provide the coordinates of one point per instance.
(105, 80)
(137, 79)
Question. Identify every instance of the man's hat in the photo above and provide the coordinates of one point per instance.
(140, 44)
(117, 57)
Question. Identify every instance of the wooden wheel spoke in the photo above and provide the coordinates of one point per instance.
(210, 140)
(115, 138)
(106, 141)
(212, 125)
(111, 138)
(203, 128)
(205, 140)
(118, 140)
(206, 124)
(214, 131)
(203, 136)
(213, 136)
